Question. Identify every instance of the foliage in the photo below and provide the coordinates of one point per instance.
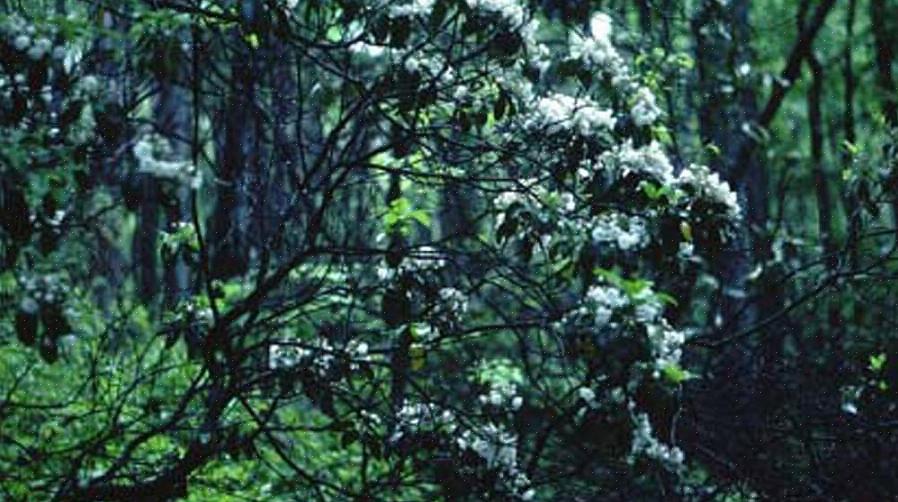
(446, 249)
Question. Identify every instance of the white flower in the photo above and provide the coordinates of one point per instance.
(645, 109)
(411, 64)
(586, 394)
(568, 203)
(370, 50)
(40, 47)
(708, 185)
(559, 111)
(284, 356)
(452, 302)
(628, 232)
(506, 199)
(600, 26)
(496, 447)
(509, 10)
(460, 93)
(603, 301)
(144, 152)
(645, 443)
(426, 332)
(89, 85)
(416, 8)
(21, 42)
(666, 344)
(647, 160)
(426, 258)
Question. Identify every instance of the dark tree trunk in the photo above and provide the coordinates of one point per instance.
(851, 204)
(285, 154)
(173, 120)
(881, 12)
(229, 228)
(727, 106)
(821, 183)
(144, 249)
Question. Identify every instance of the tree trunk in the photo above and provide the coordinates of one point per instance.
(721, 46)
(173, 120)
(229, 228)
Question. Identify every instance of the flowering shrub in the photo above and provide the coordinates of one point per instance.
(360, 322)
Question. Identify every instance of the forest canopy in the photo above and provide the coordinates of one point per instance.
(413, 250)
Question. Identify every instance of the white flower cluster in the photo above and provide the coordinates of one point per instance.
(414, 418)
(588, 396)
(645, 110)
(529, 190)
(285, 356)
(502, 394)
(557, 112)
(321, 357)
(47, 288)
(707, 184)
(602, 301)
(426, 332)
(649, 160)
(492, 443)
(628, 232)
(145, 152)
(645, 443)
(510, 77)
(424, 259)
(25, 38)
(196, 313)
(667, 344)
(596, 49)
(416, 8)
(453, 303)
(505, 200)
(498, 448)
(37, 44)
(648, 307)
(509, 10)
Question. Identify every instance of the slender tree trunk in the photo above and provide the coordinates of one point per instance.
(821, 184)
(851, 203)
(143, 250)
(285, 154)
(229, 228)
(173, 120)
(881, 12)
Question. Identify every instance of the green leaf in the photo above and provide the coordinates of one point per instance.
(686, 231)
(850, 147)
(252, 40)
(675, 374)
(666, 298)
(420, 216)
(877, 362)
(662, 133)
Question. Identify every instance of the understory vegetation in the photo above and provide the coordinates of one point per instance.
(414, 250)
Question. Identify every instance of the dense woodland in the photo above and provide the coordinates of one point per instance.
(414, 250)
